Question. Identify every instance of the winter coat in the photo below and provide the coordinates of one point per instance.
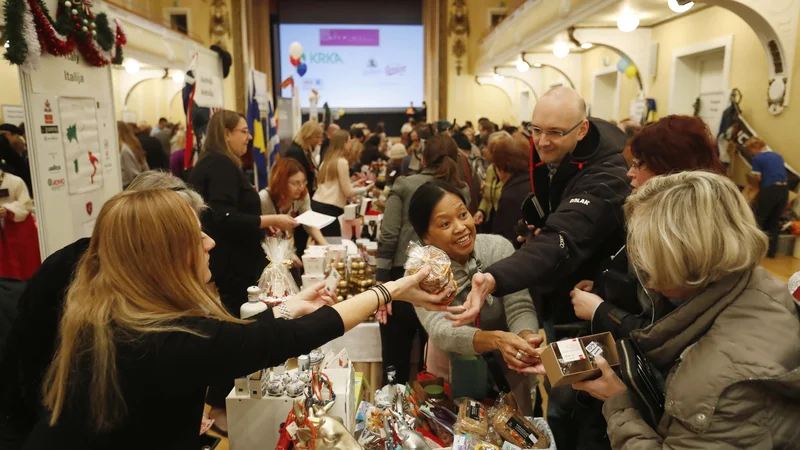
(627, 305)
(584, 223)
(509, 207)
(732, 359)
(492, 188)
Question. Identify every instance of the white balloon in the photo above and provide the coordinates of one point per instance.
(295, 50)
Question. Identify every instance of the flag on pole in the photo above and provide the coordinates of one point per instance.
(274, 143)
(256, 126)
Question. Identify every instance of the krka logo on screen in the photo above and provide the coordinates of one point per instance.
(325, 58)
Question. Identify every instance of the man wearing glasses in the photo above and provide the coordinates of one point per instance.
(576, 218)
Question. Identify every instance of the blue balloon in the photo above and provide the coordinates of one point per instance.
(301, 69)
(623, 64)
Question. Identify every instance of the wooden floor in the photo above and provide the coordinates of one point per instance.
(782, 268)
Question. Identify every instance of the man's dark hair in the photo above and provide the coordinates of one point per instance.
(13, 129)
(162, 120)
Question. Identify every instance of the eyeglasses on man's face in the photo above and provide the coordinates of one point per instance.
(554, 134)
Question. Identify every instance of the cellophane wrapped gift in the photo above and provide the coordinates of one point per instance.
(440, 277)
(276, 282)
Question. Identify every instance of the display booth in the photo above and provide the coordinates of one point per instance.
(72, 140)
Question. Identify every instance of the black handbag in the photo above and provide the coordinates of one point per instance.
(643, 380)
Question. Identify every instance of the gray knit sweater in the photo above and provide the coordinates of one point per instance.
(514, 312)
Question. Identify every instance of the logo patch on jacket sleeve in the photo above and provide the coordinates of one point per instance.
(582, 201)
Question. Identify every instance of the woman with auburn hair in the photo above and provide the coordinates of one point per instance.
(302, 149)
(234, 220)
(127, 338)
(673, 144)
(511, 158)
(730, 351)
(333, 182)
(287, 195)
(132, 159)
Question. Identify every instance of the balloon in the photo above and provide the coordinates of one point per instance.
(295, 50)
(341, 112)
(294, 61)
(631, 71)
(301, 69)
(623, 64)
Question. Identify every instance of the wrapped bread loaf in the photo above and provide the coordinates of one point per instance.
(441, 277)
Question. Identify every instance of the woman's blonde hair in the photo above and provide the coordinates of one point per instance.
(118, 294)
(128, 137)
(691, 229)
(307, 131)
(330, 164)
(215, 134)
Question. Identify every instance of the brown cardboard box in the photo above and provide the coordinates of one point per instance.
(580, 370)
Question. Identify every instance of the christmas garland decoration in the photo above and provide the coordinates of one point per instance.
(30, 30)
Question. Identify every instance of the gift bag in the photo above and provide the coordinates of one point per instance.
(276, 282)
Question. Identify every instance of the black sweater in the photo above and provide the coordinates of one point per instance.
(164, 378)
(233, 220)
(32, 340)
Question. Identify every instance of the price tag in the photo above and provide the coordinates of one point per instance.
(291, 429)
(570, 350)
(332, 281)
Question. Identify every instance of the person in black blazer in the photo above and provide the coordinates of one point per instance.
(135, 353)
(302, 149)
(233, 220)
(511, 158)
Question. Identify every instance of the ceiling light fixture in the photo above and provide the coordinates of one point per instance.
(498, 77)
(587, 45)
(627, 21)
(177, 77)
(561, 50)
(132, 66)
(523, 66)
(677, 7)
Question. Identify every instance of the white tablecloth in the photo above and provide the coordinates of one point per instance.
(363, 343)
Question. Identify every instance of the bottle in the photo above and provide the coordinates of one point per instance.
(253, 305)
(391, 375)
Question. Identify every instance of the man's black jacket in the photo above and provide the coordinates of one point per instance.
(585, 222)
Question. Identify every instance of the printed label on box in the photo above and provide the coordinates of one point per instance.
(570, 350)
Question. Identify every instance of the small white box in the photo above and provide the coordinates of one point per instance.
(351, 212)
(257, 384)
(337, 251)
(314, 264)
(312, 279)
(241, 388)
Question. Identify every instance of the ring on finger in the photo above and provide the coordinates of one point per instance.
(519, 354)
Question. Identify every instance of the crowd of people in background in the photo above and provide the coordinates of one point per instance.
(567, 223)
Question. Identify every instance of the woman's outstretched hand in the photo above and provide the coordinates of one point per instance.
(407, 289)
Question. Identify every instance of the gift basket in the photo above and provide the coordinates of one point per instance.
(276, 282)
(441, 277)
